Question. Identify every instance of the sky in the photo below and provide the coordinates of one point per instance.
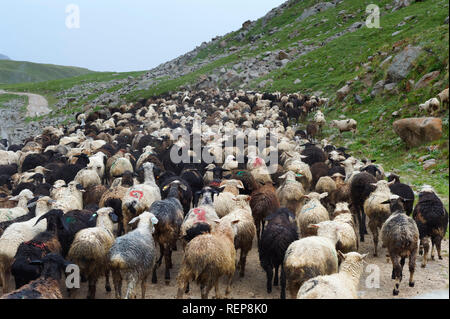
(117, 35)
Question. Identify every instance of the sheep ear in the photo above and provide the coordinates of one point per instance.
(282, 176)
(183, 187)
(80, 187)
(313, 226)
(323, 195)
(364, 256)
(135, 219)
(15, 198)
(240, 185)
(391, 183)
(341, 255)
(386, 202)
(235, 221)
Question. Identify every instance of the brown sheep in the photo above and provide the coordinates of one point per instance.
(263, 202)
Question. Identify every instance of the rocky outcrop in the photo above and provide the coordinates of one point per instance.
(402, 63)
(416, 131)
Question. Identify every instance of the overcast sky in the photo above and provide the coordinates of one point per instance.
(117, 35)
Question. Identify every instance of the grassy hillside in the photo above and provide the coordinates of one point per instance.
(20, 71)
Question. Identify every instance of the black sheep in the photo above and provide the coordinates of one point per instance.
(8, 169)
(402, 190)
(68, 172)
(314, 154)
(279, 233)
(41, 245)
(432, 220)
(360, 189)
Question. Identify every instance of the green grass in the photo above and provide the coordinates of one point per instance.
(5, 98)
(21, 71)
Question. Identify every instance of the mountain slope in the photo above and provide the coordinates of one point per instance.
(4, 57)
(21, 71)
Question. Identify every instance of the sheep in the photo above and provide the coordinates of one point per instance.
(42, 244)
(199, 219)
(342, 285)
(140, 197)
(432, 221)
(207, 258)
(279, 233)
(16, 234)
(431, 105)
(257, 167)
(89, 249)
(245, 229)
(348, 125)
(21, 208)
(307, 258)
(97, 162)
(360, 189)
(119, 166)
(400, 236)
(402, 190)
(319, 119)
(376, 211)
(263, 202)
(87, 178)
(133, 256)
(443, 97)
(290, 192)
(31, 213)
(169, 213)
(344, 231)
(47, 285)
(312, 212)
(68, 197)
(224, 202)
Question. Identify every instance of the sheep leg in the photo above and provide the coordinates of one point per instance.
(275, 279)
(168, 264)
(361, 228)
(283, 282)
(204, 290)
(258, 228)
(154, 276)
(412, 267)
(130, 289)
(117, 280)
(107, 283)
(216, 290)
(269, 273)
(181, 289)
(161, 255)
(228, 290)
(143, 287)
(92, 287)
(397, 272)
(438, 247)
(374, 230)
(433, 245)
(426, 247)
(293, 289)
(242, 262)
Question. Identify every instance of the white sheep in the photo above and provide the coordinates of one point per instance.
(17, 233)
(290, 192)
(21, 208)
(319, 118)
(68, 197)
(348, 125)
(312, 212)
(443, 97)
(342, 285)
(87, 177)
(431, 106)
(90, 247)
(376, 211)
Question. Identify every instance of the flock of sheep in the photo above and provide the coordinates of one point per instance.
(105, 192)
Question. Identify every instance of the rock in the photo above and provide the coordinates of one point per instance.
(246, 24)
(390, 86)
(423, 158)
(297, 81)
(343, 92)
(223, 44)
(426, 79)
(319, 7)
(282, 55)
(378, 87)
(446, 20)
(416, 131)
(396, 113)
(429, 163)
(358, 99)
(402, 63)
(396, 32)
(398, 4)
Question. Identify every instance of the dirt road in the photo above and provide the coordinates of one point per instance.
(37, 104)
(435, 277)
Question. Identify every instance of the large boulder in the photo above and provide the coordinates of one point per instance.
(343, 92)
(426, 79)
(416, 131)
(402, 63)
